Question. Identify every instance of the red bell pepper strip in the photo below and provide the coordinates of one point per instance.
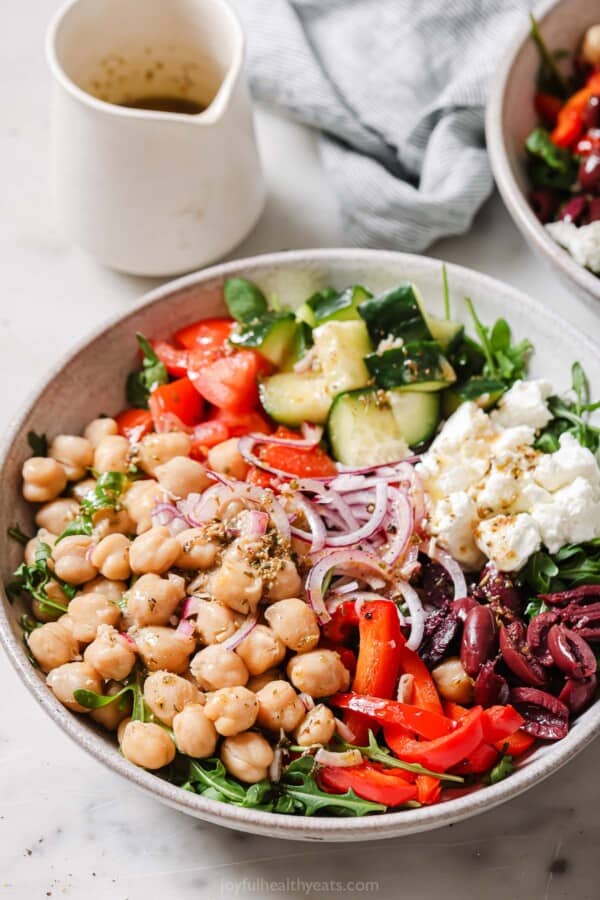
(175, 360)
(428, 789)
(482, 759)
(369, 782)
(516, 744)
(499, 722)
(570, 118)
(378, 663)
(426, 724)
(179, 398)
(444, 752)
(204, 334)
(343, 623)
(425, 693)
(547, 107)
(134, 424)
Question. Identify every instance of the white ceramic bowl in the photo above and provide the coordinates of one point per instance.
(90, 381)
(511, 117)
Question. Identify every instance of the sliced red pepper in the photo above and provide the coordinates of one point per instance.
(134, 424)
(204, 334)
(312, 462)
(179, 398)
(425, 693)
(499, 722)
(428, 789)
(516, 744)
(343, 623)
(482, 759)
(570, 118)
(426, 724)
(369, 782)
(175, 360)
(444, 752)
(547, 107)
(207, 435)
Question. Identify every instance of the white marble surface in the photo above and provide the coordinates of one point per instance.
(67, 827)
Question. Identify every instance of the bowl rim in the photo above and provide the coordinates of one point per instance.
(265, 823)
(511, 193)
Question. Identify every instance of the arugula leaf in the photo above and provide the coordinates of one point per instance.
(153, 373)
(92, 700)
(501, 770)
(549, 165)
(298, 783)
(210, 774)
(105, 495)
(445, 292)
(38, 443)
(536, 607)
(570, 567)
(33, 580)
(550, 78)
(382, 755)
(245, 300)
(570, 415)
(504, 361)
(539, 572)
(17, 535)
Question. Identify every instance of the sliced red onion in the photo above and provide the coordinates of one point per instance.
(128, 638)
(276, 767)
(345, 562)
(345, 759)
(190, 607)
(410, 563)
(167, 515)
(443, 559)
(307, 700)
(186, 628)
(345, 588)
(402, 519)
(417, 614)
(255, 524)
(243, 631)
(344, 731)
(312, 434)
(197, 509)
(405, 688)
(370, 527)
(318, 533)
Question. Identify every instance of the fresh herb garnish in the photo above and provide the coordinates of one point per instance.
(501, 770)
(570, 415)
(38, 443)
(446, 292)
(106, 494)
(139, 712)
(536, 607)
(550, 78)
(570, 567)
(153, 373)
(299, 784)
(549, 165)
(18, 535)
(245, 300)
(376, 753)
(34, 579)
(504, 361)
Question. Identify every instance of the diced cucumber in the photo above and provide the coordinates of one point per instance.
(305, 314)
(419, 366)
(330, 306)
(417, 414)
(485, 392)
(292, 399)
(301, 344)
(363, 430)
(467, 359)
(398, 312)
(447, 333)
(340, 348)
(272, 334)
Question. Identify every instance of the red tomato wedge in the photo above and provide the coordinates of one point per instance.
(312, 462)
(206, 435)
(175, 360)
(226, 379)
(134, 424)
(241, 423)
(370, 783)
(179, 398)
(205, 334)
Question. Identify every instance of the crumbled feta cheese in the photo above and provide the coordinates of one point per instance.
(456, 520)
(572, 515)
(524, 404)
(571, 460)
(508, 540)
(583, 243)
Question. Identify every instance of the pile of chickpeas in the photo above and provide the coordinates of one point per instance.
(131, 579)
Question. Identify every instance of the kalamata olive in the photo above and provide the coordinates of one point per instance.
(518, 657)
(593, 211)
(441, 627)
(584, 592)
(545, 716)
(544, 203)
(589, 143)
(583, 619)
(537, 636)
(589, 173)
(463, 606)
(479, 639)
(499, 590)
(570, 652)
(490, 688)
(578, 695)
(435, 585)
(574, 210)
(591, 113)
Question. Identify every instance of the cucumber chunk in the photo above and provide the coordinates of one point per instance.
(417, 414)
(329, 305)
(397, 312)
(447, 333)
(485, 392)
(340, 348)
(292, 399)
(417, 366)
(272, 335)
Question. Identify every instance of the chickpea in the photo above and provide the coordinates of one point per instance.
(247, 756)
(112, 454)
(74, 453)
(226, 458)
(452, 681)
(216, 667)
(261, 650)
(164, 648)
(319, 673)
(294, 623)
(182, 476)
(112, 521)
(56, 515)
(232, 710)
(195, 735)
(152, 600)
(231, 509)
(196, 551)
(279, 707)
(154, 551)
(233, 584)
(71, 562)
(111, 654)
(70, 677)
(32, 546)
(286, 584)
(167, 694)
(317, 727)
(81, 489)
(88, 611)
(139, 502)
(590, 49)
(157, 449)
(52, 645)
(98, 429)
(147, 745)
(111, 557)
(45, 612)
(111, 716)
(43, 479)
(214, 622)
(111, 590)
(259, 681)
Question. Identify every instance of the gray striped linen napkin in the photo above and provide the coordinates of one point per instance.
(397, 89)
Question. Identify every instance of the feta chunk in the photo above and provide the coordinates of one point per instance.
(454, 523)
(583, 243)
(524, 404)
(572, 515)
(570, 461)
(509, 540)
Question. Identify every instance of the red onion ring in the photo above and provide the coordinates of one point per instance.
(370, 526)
(242, 633)
(186, 628)
(345, 759)
(345, 562)
(417, 614)
(344, 731)
(443, 559)
(403, 521)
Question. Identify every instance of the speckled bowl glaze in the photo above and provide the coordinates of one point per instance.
(90, 381)
(511, 117)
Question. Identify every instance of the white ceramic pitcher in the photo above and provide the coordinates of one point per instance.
(147, 192)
